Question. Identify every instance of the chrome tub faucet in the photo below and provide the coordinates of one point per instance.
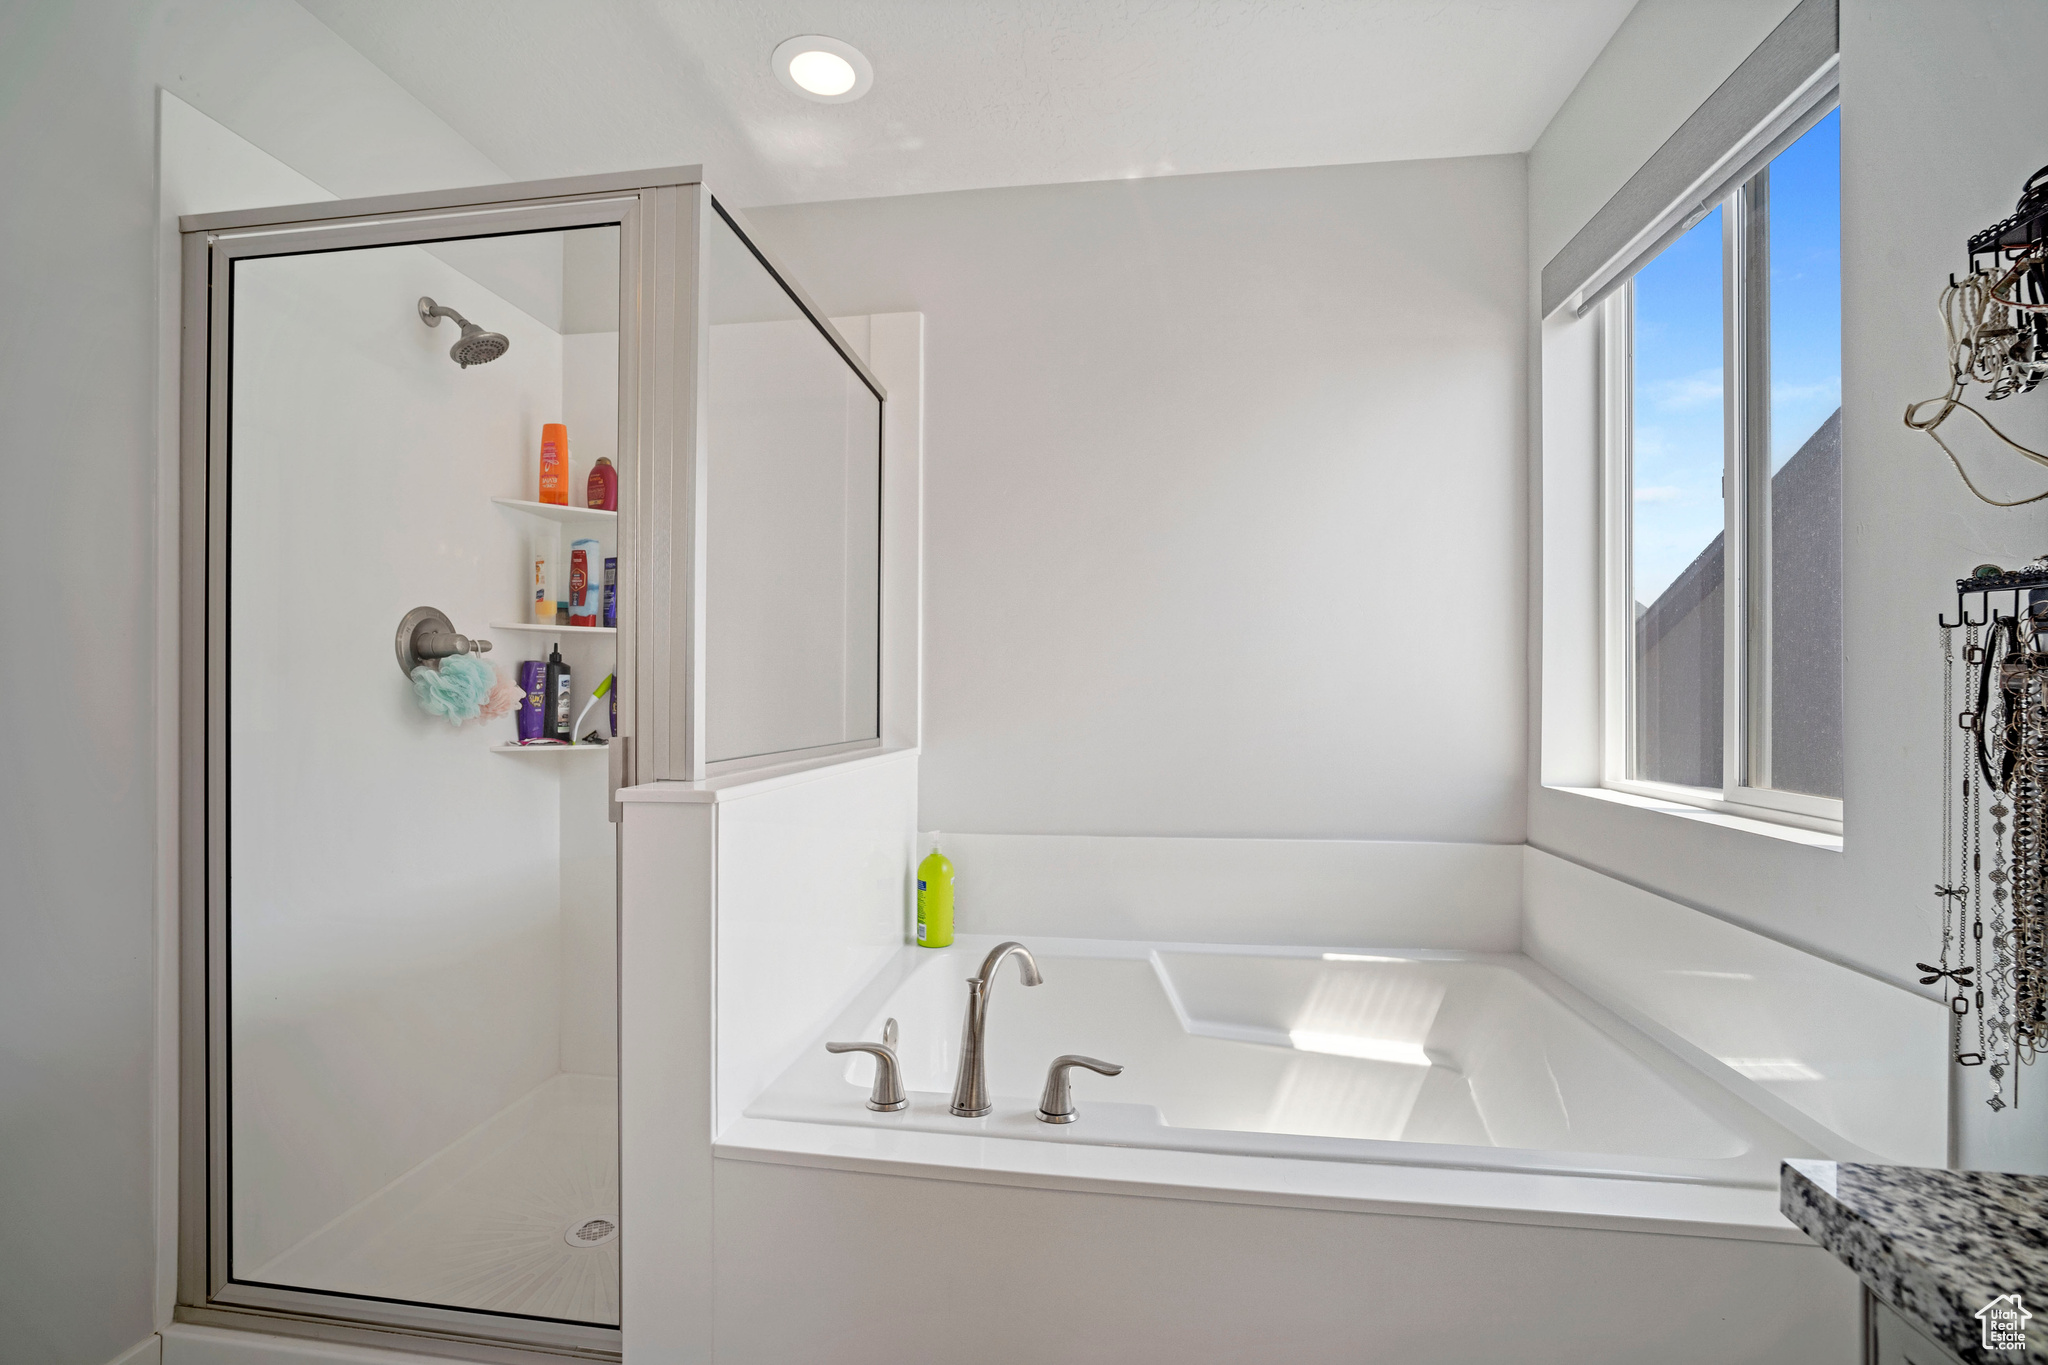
(970, 1090)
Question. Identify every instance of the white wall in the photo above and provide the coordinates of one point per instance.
(1912, 191)
(813, 885)
(748, 919)
(1314, 892)
(895, 1269)
(590, 380)
(1194, 445)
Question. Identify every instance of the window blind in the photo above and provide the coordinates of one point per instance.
(1770, 99)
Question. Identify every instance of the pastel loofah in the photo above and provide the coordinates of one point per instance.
(457, 690)
(504, 698)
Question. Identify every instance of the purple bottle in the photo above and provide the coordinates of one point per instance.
(533, 699)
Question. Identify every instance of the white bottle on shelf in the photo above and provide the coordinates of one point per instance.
(541, 589)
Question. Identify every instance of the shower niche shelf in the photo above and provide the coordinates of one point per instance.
(549, 748)
(554, 511)
(554, 630)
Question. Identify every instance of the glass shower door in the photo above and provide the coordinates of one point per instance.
(419, 590)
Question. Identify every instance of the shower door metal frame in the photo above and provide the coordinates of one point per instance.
(660, 216)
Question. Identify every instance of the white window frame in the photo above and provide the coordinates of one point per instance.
(1745, 683)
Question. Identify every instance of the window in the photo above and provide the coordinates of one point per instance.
(1724, 542)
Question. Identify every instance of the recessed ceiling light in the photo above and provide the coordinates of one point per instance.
(822, 69)
(822, 73)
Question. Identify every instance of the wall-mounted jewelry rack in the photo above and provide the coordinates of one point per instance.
(1983, 585)
(2011, 257)
(1993, 887)
(1996, 317)
(2024, 228)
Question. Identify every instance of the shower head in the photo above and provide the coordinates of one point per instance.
(475, 346)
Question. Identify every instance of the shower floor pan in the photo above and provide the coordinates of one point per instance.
(520, 1215)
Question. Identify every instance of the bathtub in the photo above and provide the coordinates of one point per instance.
(1462, 1060)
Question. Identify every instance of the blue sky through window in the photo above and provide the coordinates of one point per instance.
(1677, 442)
(1806, 286)
(1678, 417)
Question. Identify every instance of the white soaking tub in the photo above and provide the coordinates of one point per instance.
(1463, 1060)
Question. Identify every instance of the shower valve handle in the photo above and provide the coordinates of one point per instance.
(887, 1097)
(437, 644)
(426, 635)
(1056, 1105)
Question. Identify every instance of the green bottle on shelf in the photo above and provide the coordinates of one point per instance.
(934, 899)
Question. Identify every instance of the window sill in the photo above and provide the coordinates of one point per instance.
(1748, 824)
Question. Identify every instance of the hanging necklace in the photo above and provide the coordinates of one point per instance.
(1950, 889)
(2018, 946)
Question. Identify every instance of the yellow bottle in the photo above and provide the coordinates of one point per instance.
(934, 900)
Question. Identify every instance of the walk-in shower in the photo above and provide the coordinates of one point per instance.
(401, 909)
(419, 991)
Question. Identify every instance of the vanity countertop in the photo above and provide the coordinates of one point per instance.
(1936, 1245)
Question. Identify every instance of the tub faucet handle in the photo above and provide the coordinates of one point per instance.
(887, 1097)
(1056, 1105)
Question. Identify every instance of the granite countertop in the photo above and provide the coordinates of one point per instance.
(1936, 1245)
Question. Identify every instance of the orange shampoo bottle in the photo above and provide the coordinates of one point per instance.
(554, 464)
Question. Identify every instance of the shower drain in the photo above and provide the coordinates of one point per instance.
(591, 1232)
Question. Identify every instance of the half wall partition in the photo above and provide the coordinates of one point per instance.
(399, 889)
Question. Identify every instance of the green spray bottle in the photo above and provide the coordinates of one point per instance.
(934, 899)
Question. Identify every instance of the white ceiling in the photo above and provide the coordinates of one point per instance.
(970, 94)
